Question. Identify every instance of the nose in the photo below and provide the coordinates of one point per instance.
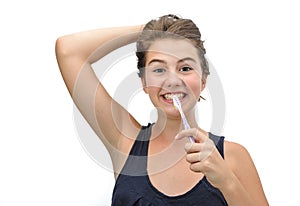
(173, 80)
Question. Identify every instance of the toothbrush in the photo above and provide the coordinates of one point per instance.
(177, 105)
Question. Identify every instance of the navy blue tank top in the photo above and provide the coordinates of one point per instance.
(133, 186)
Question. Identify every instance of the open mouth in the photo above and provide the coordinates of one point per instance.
(169, 96)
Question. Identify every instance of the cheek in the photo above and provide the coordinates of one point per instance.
(153, 81)
(153, 94)
(153, 90)
(195, 85)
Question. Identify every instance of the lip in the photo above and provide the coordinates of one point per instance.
(169, 99)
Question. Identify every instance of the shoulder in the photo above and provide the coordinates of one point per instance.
(240, 162)
(232, 149)
(238, 158)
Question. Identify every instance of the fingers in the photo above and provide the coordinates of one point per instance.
(198, 152)
(197, 167)
(198, 135)
(192, 147)
(196, 161)
(193, 157)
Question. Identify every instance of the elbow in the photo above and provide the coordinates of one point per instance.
(68, 48)
(62, 48)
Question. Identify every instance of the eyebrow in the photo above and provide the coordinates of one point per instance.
(187, 59)
(157, 60)
(179, 61)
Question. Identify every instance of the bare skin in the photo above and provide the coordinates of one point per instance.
(235, 175)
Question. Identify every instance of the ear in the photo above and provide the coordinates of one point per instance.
(203, 84)
(145, 88)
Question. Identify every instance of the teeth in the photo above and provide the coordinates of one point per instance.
(170, 96)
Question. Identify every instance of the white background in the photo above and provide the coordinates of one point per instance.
(253, 45)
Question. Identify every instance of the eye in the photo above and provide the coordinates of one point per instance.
(185, 69)
(159, 70)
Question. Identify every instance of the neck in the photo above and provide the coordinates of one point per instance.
(166, 128)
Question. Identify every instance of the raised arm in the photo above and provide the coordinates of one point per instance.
(75, 53)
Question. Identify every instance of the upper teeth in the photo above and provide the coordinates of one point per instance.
(170, 96)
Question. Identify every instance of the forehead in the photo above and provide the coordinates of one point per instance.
(172, 48)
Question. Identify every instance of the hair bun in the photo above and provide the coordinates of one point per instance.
(173, 16)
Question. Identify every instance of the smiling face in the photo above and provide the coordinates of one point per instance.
(173, 68)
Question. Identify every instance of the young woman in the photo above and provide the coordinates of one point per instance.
(156, 164)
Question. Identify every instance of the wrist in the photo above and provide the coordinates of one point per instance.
(235, 193)
(230, 184)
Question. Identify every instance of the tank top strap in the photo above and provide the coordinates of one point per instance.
(136, 163)
(140, 146)
(219, 142)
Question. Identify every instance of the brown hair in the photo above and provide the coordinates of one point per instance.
(170, 26)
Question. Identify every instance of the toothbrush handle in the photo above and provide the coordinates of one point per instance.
(187, 126)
